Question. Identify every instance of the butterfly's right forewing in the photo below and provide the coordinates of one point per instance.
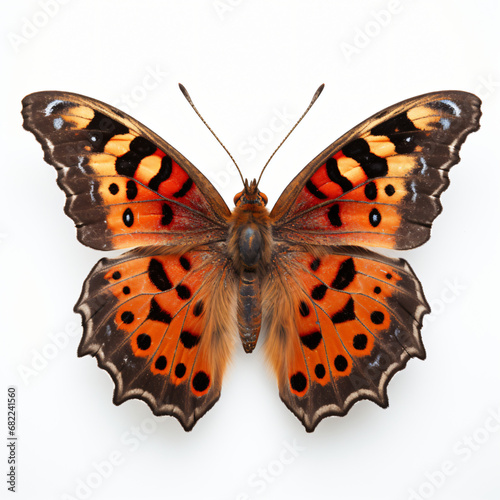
(126, 186)
(160, 318)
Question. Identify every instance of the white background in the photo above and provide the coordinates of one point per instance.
(244, 63)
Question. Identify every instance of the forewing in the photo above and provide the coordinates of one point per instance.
(161, 322)
(379, 184)
(341, 322)
(125, 186)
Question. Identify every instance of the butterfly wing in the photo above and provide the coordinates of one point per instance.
(159, 320)
(379, 184)
(342, 320)
(125, 186)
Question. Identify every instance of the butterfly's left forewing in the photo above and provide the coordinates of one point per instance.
(379, 184)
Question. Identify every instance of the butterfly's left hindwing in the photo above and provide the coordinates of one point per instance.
(159, 320)
(352, 319)
(126, 186)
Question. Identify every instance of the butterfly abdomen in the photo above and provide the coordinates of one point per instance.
(249, 313)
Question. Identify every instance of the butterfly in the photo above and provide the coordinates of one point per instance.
(340, 319)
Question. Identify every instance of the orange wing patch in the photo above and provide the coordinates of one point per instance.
(146, 318)
(123, 190)
(381, 187)
(357, 321)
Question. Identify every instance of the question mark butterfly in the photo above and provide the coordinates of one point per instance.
(339, 319)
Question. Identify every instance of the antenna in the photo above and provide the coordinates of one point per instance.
(313, 100)
(188, 98)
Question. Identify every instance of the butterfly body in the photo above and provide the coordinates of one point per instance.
(249, 248)
(339, 319)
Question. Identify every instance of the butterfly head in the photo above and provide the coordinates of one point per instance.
(250, 195)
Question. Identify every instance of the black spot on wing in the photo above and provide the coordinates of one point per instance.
(298, 382)
(332, 170)
(345, 275)
(372, 165)
(389, 190)
(183, 292)
(163, 174)
(360, 341)
(184, 262)
(139, 149)
(318, 292)
(315, 264)
(189, 340)
(143, 341)
(340, 363)
(184, 189)
(161, 363)
(375, 218)
(101, 129)
(304, 309)
(156, 313)
(201, 381)
(400, 131)
(311, 340)
(371, 190)
(128, 217)
(131, 190)
(158, 276)
(377, 317)
(319, 370)
(180, 370)
(345, 314)
(167, 214)
(315, 191)
(334, 215)
(198, 308)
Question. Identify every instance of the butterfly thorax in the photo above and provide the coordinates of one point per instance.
(249, 247)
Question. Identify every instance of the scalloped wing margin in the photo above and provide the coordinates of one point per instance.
(341, 321)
